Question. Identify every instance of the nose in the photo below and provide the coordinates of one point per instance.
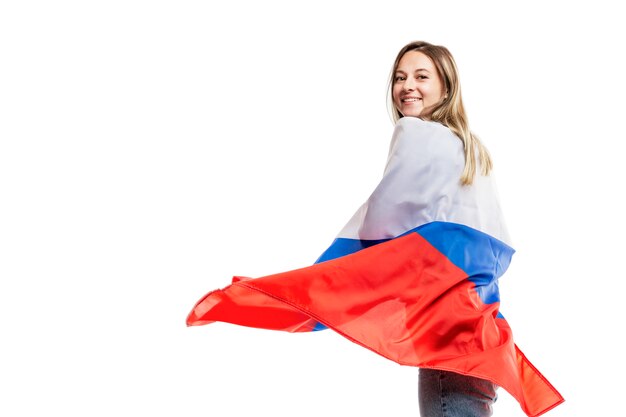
(409, 84)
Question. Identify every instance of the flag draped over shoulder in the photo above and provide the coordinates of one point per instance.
(413, 275)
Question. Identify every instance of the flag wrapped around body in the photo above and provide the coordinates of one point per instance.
(413, 275)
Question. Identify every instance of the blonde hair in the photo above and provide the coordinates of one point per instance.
(449, 111)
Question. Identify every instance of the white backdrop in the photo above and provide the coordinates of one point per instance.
(150, 150)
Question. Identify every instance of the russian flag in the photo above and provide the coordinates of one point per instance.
(413, 276)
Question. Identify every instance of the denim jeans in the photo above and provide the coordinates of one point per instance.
(448, 394)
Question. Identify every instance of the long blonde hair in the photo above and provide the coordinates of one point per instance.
(449, 111)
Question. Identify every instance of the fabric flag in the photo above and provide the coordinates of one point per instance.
(413, 276)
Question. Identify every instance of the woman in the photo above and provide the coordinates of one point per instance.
(413, 274)
(425, 83)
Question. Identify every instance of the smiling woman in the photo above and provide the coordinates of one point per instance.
(413, 275)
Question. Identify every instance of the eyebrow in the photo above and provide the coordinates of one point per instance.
(417, 70)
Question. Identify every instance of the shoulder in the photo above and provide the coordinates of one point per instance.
(427, 136)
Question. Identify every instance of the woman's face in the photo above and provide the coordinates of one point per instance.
(416, 84)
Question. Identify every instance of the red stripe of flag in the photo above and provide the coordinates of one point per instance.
(402, 299)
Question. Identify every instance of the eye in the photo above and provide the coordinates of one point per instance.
(399, 78)
(422, 77)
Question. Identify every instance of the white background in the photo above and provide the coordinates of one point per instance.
(150, 150)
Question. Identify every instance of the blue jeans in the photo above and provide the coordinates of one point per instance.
(448, 394)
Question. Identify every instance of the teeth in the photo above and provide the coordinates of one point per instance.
(413, 99)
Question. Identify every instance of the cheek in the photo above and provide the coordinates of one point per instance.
(432, 92)
(437, 91)
(395, 94)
